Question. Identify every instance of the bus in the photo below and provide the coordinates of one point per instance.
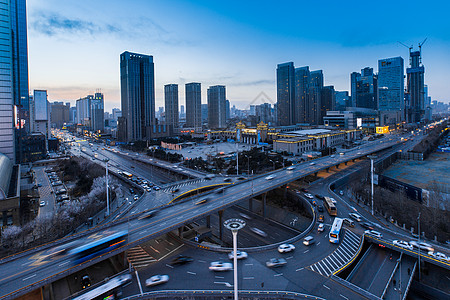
(98, 247)
(109, 290)
(329, 205)
(335, 230)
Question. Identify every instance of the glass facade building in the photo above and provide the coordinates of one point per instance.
(217, 107)
(285, 93)
(137, 84)
(391, 84)
(171, 105)
(7, 142)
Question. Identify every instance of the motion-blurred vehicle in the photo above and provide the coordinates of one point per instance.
(157, 279)
(240, 254)
(284, 248)
(220, 266)
(276, 262)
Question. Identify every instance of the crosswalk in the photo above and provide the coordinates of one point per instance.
(177, 186)
(139, 258)
(347, 249)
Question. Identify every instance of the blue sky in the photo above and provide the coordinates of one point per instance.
(74, 46)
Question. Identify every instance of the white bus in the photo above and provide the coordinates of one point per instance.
(335, 230)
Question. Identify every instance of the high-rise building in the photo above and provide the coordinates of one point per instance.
(391, 84)
(285, 93)
(204, 113)
(327, 101)
(73, 114)
(216, 106)
(415, 87)
(97, 121)
(137, 83)
(227, 109)
(301, 94)
(41, 113)
(264, 113)
(314, 112)
(116, 113)
(171, 106)
(364, 88)
(343, 100)
(193, 105)
(7, 140)
(59, 114)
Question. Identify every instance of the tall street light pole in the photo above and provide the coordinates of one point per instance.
(418, 221)
(234, 225)
(107, 188)
(372, 157)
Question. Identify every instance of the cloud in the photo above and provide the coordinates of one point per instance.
(254, 82)
(52, 24)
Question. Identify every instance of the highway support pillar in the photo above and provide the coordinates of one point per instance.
(337, 166)
(180, 232)
(264, 205)
(208, 221)
(328, 170)
(346, 162)
(250, 203)
(220, 212)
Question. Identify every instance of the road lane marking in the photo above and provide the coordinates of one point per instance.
(225, 283)
(318, 244)
(154, 249)
(305, 251)
(281, 274)
(299, 269)
(343, 296)
(29, 277)
(249, 277)
(169, 266)
(249, 264)
(64, 263)
(326, 286)
(220, 277)
(192, 273)
(202, 261)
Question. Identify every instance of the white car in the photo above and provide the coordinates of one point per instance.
(312, 164)
(258, 231)
(276, 262)
(309, 196)
(321, 228)
(439, 255)
(220, 266)
(240, 254)
(157, 279)
(355, 217)
(373, 233)
(290, 168)
(403, 244)
(284, 248)
(333, 200)
(270, 177)
(42, 203)
(422, 246)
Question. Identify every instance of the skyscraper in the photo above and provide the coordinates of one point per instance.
(415, 88)
(193, 105)
(342, 100)
(171, 105)
(314, 105)
(285, 93)
(327, 101)
(137, 83)
(391, 84)
(97, 116)
(7, 141)
(216, 106)
(364, 88)
(41, 113)
(301, 94)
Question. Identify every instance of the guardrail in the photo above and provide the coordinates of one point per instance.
(390, 277)
(220, 294)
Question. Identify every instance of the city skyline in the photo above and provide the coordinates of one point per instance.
(243, 48)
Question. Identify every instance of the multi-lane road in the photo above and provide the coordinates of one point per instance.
(35, 267)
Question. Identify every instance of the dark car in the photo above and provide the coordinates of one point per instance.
(131, 191)
(367, 225)
(320, 208)
(320, 197)
(320, 219)
(349, 222)
(85, 281)
(304, 190)
(181, 260)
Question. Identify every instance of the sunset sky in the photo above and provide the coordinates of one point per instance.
(74, 46)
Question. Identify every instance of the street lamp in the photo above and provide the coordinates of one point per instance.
(234, 225)
(273, 164)
(418, 221)
(372, 157)
(107, 188)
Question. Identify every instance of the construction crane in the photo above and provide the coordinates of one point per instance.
(420, 49)
(409, 47)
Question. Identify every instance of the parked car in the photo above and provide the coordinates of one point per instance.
(240, 254)
(284, 248)
(373, 233)
(157, 279)
(220, 266)
(422, 246)
(276, 262)
(402, 244)
(320, 208)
